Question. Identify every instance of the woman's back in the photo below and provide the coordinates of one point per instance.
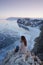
(23, 48)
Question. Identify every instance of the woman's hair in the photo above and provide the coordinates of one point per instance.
(24, 40)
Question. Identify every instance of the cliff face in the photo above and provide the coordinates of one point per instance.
(38, 47)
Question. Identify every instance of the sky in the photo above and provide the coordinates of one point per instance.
(21, 8)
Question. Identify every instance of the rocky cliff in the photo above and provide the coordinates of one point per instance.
(18, 59)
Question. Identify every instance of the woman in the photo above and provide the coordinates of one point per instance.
(22, 49)
(23, 46)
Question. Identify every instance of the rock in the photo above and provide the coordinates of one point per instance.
(18, 59)
(38, 47)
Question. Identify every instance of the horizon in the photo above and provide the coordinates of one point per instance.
(21, 8)
(22, 17)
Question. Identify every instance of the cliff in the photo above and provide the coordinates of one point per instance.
(18, 59)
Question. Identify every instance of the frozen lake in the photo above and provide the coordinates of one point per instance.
(10, 34)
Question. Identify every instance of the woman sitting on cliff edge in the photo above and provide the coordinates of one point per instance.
(22, 49)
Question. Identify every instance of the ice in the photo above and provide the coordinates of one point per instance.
(11, 28)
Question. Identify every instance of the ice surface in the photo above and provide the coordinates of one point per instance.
(11, 28)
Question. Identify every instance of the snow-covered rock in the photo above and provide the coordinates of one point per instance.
(30, 22)
(18, 59)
